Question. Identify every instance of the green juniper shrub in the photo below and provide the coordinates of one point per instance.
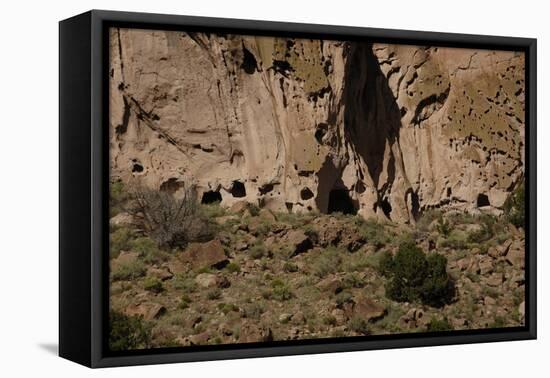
(385, 263)
(153, 284)
(128, 332)
(413, 276)
(438, 325)
(514, 206)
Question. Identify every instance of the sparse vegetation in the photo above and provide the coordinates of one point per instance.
(119, 240)
(281, 291)
(127, 332)
(438, 325)
(514, 207)
(266, 284)
(128, 270)
(359, 325)
(153, 284)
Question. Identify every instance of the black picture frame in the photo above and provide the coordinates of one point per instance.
(83, 196)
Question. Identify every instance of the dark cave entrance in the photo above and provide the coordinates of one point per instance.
(211, 197)
(340, 201)
(482, 200)
(238, 189)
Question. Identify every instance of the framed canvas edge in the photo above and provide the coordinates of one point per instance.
(100, 18)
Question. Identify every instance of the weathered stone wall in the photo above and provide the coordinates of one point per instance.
(294, 124)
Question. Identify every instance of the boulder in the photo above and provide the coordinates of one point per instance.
(330, 284)
(251, 333)
(161, 273)
(298, 242)
(267, 215)
(209, 254)
(368, 309)
(121, 219)
(516, 255)
(147, 310)
(199, 339)
(206, 280)
(239, 207)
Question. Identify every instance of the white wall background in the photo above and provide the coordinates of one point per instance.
(29, 187)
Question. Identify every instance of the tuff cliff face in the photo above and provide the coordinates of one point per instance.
(299, 125)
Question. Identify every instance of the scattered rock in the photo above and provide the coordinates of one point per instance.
(495, 279)
(489, 301)
(486, 266)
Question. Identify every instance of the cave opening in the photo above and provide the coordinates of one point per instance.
(385, 205)
(238, 189)
(306, 193)
(340, 201)
(483, 200)
(211, 196)
(249, 65)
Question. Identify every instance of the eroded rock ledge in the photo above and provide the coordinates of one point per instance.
(299, 125)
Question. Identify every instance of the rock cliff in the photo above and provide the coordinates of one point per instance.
(292, 124)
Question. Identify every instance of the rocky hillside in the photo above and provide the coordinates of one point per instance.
(277, 276)
(297, 125)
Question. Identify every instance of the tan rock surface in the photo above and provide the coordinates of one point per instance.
(299, 125)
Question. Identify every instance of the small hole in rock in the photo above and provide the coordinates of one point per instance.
(306, 194)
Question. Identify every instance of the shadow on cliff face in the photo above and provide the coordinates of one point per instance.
(372, 118)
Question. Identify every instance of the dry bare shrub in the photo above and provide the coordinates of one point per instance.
(169, 221)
